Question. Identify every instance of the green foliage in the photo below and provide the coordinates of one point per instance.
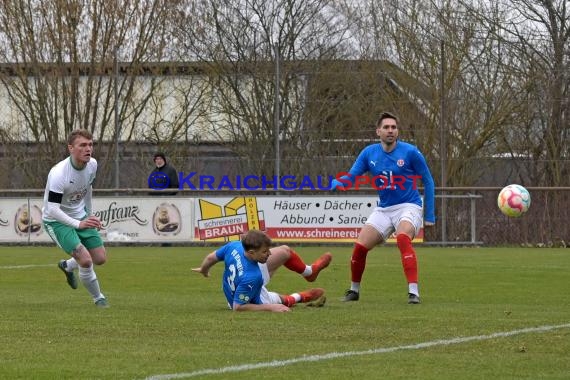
(165, 319)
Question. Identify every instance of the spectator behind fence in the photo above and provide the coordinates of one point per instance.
(163, 176)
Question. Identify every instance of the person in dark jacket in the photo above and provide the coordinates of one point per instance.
(163, 177)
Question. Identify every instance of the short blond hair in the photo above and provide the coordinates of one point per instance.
(79, 133)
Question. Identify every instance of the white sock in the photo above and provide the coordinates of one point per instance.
(71, 265)
(297, 297)
(89, 280)
(308, 271)
(355, 286)
(413, 288)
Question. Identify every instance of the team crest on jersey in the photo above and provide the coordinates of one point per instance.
(400, 162)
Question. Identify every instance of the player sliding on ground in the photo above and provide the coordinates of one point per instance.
(250, 263)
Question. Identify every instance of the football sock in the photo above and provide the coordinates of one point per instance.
(355, 286)
(413, 288)
(296, 264)
(89, 280)
(409, 260)
(289, 300)
(71, 265)
(358, 262)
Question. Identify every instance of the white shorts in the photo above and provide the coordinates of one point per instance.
(386, 220)
(266, 296)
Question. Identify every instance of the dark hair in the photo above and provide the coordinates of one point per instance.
(255, 239)
(79, 133)
(386, 115)
(159, 154)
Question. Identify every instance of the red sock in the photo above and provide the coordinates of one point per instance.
(295, 263)
(409, 260)
(288, 300)
(358, 262)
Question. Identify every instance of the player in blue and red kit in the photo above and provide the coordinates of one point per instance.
(395, 169)
(250, 263)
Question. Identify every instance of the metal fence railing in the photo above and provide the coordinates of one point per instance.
(545, 223)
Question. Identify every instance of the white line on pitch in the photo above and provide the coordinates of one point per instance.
(335, 355)
(27, 266)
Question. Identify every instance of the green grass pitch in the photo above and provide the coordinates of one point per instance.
(166, 320)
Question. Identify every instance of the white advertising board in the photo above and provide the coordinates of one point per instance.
(21, 220)
(131, 219)
(204, 219)
(285, 219)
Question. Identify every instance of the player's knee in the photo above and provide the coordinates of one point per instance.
(403, 237)
(99, 260)
(81, 255)
(99, 256)
(85, 262)
(285, 249)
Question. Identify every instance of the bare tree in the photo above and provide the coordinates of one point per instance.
(244, 43)
(538, 35)
(474, 83)
(78, 64)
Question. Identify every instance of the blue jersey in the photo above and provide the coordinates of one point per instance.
(397, 175)
(242, 279)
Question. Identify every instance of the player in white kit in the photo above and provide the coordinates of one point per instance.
(67, 214)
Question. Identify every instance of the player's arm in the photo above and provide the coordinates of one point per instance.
(53, 211)
(88, 199)
(249, 290)
(278, 308)
(345, 180)
(208, 262)
(53, 207)
(422, 169)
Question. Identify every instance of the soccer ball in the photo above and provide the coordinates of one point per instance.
(513, 200)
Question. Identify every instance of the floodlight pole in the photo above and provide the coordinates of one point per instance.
(443, 146)
(117, 124)
(276, 119)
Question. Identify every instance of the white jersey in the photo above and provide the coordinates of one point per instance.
(66, 190)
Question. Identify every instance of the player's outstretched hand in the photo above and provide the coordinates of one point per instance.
(202, 272)
(341, 185)
(429, 224)
(279, 308)
(336, 184)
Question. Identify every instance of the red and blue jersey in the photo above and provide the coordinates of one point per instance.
(397, 175)
(242, 279)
